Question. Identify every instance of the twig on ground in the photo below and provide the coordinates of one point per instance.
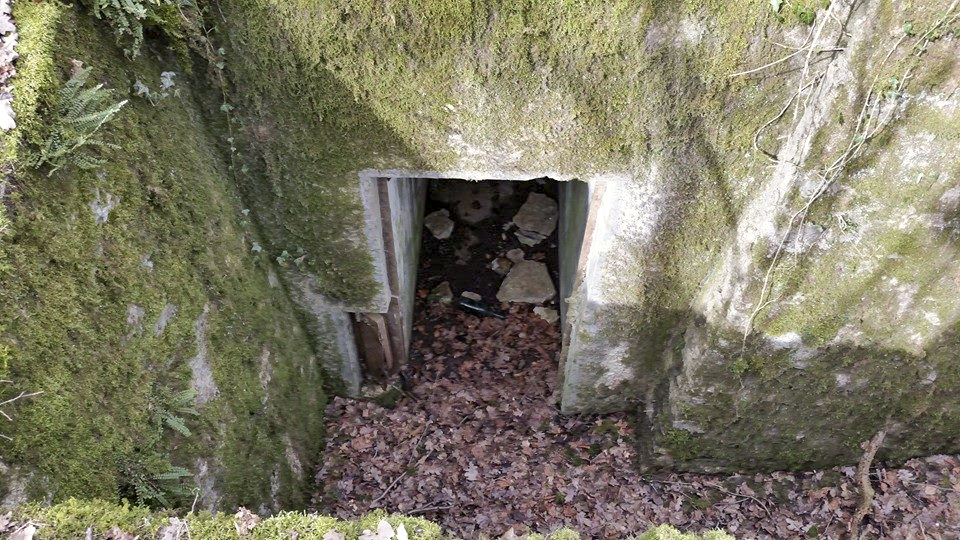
(426, 509)
(866, 488)
(410, 461)
(21, 396)
(753, 498)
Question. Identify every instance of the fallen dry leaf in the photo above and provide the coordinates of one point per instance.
(244, 521)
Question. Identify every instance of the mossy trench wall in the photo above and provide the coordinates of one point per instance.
(126, 285)
(214, 218)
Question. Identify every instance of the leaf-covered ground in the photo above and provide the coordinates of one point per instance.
(478, 446)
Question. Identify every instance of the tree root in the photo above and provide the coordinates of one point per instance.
(866, 488)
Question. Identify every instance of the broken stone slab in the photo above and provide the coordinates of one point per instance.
(516, 255)
(548, 314)
(439, 224)
(536, 219)
(501, 265)
(471, 295)
(442, 293)
(528, 282)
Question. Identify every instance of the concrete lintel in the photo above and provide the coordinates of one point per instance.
(513, 175)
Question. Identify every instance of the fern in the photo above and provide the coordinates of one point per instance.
(166, 409)
(80, 113)
(148, 487)
(173, 473)
(175, 423)
(127, 18)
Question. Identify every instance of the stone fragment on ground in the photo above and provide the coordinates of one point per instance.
(536, 219)
(548, 314)
(442, 293)
(516, 255)
(439, 224)
(471, 295)
(528, 282)
(501, 265)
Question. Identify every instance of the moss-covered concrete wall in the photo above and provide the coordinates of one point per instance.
(126, 285)
(648, 98)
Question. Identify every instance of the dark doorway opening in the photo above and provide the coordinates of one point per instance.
(487, 243)
(488, 249)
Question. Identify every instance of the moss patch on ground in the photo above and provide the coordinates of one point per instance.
(72, 519)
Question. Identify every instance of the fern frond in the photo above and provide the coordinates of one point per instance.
(126, 17)
(173, 473)
(175, 423)
(185, 397)
(81, 112)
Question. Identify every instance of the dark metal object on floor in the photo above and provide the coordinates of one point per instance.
(476, 308)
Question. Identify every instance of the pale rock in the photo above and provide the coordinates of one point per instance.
(516, 255)
(473, 200)
(548, 314)
(536, 219)
(501, 265)
(244, 521)
(439, 224)
(7, 115)
(442, 293)
(527, 282)
(24, 533)
(471, 295)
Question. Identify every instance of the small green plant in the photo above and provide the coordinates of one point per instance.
(154, 482)
(128, 17)
(799, 11)
(148, 477)
(80, 113)
(167, 88)
(166, 410)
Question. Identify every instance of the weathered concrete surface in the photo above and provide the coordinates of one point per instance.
(645, 98)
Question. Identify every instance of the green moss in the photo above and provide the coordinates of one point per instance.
(72, 518)
(681, 444)
(665, 532)
(36, 79)
(82, 300)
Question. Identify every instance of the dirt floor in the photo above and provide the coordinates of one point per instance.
(478, 446)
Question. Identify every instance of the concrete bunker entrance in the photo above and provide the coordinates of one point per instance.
(480, 252)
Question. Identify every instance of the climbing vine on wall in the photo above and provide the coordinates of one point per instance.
(884, 97)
